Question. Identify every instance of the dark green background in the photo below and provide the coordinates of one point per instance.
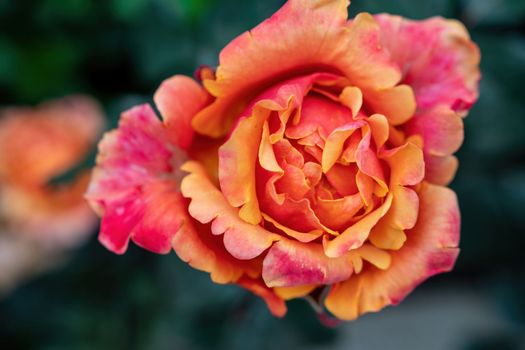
(120, 50)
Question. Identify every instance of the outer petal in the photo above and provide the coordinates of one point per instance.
(178, 99)
(440, 170)
(312, 34)
(431, 248)
(195, 245)
(134, 187)
(290, 263)
(243, 240)
(438, 59)
(441, 129)
(442, 132)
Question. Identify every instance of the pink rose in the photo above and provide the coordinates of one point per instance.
(313, 160)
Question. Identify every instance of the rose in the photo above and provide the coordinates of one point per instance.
(314, 159)
(41, 217)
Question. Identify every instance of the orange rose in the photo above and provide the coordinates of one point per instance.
(40, 219)
(314, 159)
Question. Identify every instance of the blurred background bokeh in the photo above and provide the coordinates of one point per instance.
(118, 51)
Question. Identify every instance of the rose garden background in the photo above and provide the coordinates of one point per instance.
(119, 51)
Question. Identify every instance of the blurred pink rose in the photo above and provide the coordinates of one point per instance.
(39, 220)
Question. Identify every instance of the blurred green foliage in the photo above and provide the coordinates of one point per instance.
(119, 51)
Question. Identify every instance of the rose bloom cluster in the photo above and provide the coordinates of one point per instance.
(311, 163)
(41, 218)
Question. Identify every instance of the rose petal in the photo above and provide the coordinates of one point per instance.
(367, 161)
(389, 231)
(300, 236)
(289, 263)
(134, 187)
(178, 99)
(237, 158)
(398, 104)
(352, 97)
(296, 215)
(354, 236)
(379, 127)
(195, 245)
(441, 129)
(407, 166)
(288, 293)
(313, 118)
(334, 143)
(438, 59)
(243, 240)
(440, 170)
(337, 213)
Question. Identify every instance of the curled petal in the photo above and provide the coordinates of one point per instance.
(398, 104)
(336, 213)
(365, 185)
(298, 215)
(313, 118)
(377, 257)
(135, 190)
(380, 129)
(354, 236)
(352, 97)
(237, 161)
(407, 166)
(267, 158)
(368, 162)
(335, 142)
(389, 232)
(300, 236)
(431, 248)
(293, 182)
